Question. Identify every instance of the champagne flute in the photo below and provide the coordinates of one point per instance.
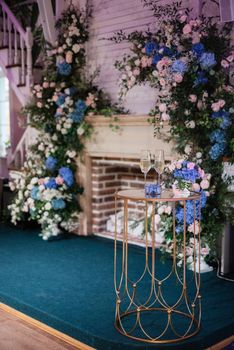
(159, 163)
(145, 163)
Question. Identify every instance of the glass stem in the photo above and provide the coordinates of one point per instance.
(145, 177)
(159, 179)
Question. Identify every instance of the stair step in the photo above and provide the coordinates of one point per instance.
(13, 65)
(21, 85)
(19, 65)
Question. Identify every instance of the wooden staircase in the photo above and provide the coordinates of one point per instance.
(16, 62)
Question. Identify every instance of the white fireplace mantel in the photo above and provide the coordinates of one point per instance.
(135, 134)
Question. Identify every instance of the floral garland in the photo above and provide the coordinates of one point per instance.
(188, 61)
(48, 190)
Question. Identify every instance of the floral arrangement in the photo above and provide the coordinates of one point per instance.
(185, 175)
(188, 61)
(49, 188)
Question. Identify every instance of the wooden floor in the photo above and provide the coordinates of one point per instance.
(21, 332)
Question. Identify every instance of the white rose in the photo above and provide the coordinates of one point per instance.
(161, 209)
(190, 124)
(34, 180)
(76, 48)
(48, 206)
(80, 131)
(157, 219)
(63, 131)
(41, 147)
(168, 210)
(188, 149)
(198, 155)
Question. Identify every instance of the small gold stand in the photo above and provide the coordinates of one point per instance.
(146, 308)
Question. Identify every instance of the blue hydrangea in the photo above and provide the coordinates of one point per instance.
(51, 183)
(67, 176)
(167, 51)
(35, 193)
(207, 60)
(226, 122)
(203, 199)
(71, 91)
(64, 68)
(200, 79)
(179, 229)
(179, 67)
(215, 115)
(151, 47)
(198, 49)
(61, 99)
(156, 58)
(76, 116)
(217, 150)
(190, 217)
(186, 174)
(217, 136)
(80, 106)
(58, 204)
(51, 163)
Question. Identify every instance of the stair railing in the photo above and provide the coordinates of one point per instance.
(18, 42)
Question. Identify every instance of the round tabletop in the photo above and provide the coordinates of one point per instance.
(166, 196)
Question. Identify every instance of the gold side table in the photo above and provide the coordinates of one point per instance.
(153, 305)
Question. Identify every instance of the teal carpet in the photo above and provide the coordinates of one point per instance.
(68, 284)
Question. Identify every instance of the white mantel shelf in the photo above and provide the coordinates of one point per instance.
(134, 134)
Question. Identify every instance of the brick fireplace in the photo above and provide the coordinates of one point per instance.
(111, 163)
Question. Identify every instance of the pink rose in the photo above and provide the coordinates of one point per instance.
(52, 84)
(178, 77)
(204, 184)
(196, 187)
(55, 98)
(149, 61)
(183, 18)
(215, 106)
(221, 103)
(37, 87)
(162, 82)
(224, 64)
(201, 173)
(165, 117)
(39, 105)
(59, 180)
(41, 181)
(193, 98)
(207, 193)
(45, 84)
(190, 165)
(144, 61)
(39, 95)
(69, 57)
(162, 107)
(205, 251)
(178, 165)
(136, 71)
(187, 29)
(166, 61)
(230, 58)
(199, 104)
(160, 65)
